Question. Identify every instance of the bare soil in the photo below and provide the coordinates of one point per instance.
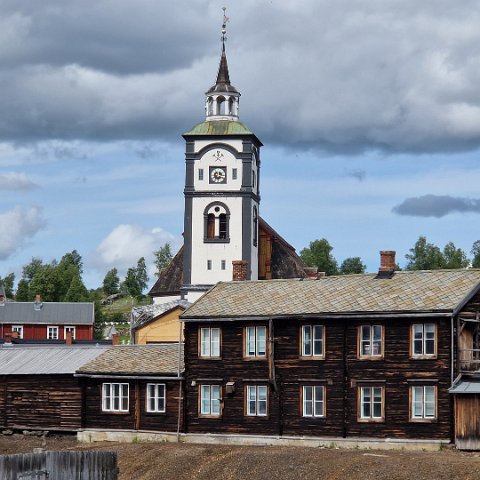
(153, 461)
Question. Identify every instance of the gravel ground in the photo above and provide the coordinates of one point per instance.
(150, 461)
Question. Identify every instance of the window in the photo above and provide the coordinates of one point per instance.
(210, 342)
(209, 264)
(210, 400)
(52, 333)
(200, 173)
(115, 397)
(423, 402)
(255, 341)
(234, 173)
(313, 401)
(71, 330)
(312, 341)
(18, 329)
(423, 340)
(255, 226)
(371, 341)
(257, 396)
(223, 264)
(216, 226)
(155, 397)
(371, 403)
(222, 222)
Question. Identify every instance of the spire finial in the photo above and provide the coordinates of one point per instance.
(224, 27)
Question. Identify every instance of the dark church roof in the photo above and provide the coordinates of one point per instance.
(171, 278)
(223, 85)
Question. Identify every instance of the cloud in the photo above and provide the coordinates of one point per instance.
(17, 226)
(125, 244)
(357, 174)
(16, 181)
(436, 206)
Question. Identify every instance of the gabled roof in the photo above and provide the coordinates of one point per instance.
(143, 315)
(49, 313)
(141, 360)
(171, 278)
(437, 291)
(45, 360)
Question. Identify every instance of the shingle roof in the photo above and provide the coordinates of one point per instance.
(136, 360)
(145, 314)
(35, 360)
(415, 291)
(51, 313)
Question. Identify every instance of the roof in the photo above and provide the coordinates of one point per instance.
(37, 360)
(471, 386)
(406, 292)
(223, 78)
(219, 127)
(147, 313)
(51, 313)
(171, 278)
(145, 360)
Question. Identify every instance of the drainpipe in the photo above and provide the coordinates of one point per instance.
(180, 382)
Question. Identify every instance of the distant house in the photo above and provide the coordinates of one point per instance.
(46, 320)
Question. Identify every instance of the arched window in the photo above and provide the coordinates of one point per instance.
(255, 226)
(210, 106)
(221, 103)
(230, 107)
(217, 219)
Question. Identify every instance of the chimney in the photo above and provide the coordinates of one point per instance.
(115, 339)
(311, 272)
(387, 264)
(240, 270)
(14, 335)
(68, 338)
(7, 338)
(38, 302)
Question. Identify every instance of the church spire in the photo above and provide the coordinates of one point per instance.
(222, 98)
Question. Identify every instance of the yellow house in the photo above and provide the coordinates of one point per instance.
(157, 323)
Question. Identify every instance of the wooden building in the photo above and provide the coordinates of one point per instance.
(368, 355)
(133, 387)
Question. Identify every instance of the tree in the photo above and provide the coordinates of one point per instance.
(77, 292)
(352, 265)
(476, 254)
(424, 256)
(7, 283)
(318, 254)
(46, 283)
(142, 276)
(29, 270)
(136, 279)
(454, 257)
(163, 257)
(111, 282)
(23, 292)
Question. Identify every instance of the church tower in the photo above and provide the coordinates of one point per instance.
(222, 194)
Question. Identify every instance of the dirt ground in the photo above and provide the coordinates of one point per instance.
(153, 461)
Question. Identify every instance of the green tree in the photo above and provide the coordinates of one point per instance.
(111, 282)
(318, 254)
(476, 254)
(7, 283)
(352, 265)
(29, 270)
(77, 291)
(23, 292)
(46, 282)
(99, 322)
(424, 256)
(130, 284)
(454, 257)
(142, 276)
(163, 257)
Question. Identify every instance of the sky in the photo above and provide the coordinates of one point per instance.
(369, 112)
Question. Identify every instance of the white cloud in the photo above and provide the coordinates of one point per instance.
(15, 181)
(17, 226)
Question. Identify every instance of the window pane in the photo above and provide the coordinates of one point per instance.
(215, 348)
(262, 400)
(307, 350)
(205, 400)
(318, 340)
(318, 410)
(307, 401)
(205, 342)
(261, 340)
(429, 339)
(215, 399)
(250, 340)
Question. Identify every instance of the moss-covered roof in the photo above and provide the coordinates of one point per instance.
(220, 127)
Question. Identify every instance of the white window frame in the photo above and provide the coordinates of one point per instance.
(210, 399)
(370, 344)
(18, 329)
(156, 400)
(422, 335)
(256, 400)
(70, 328)
(210, 342)
(371, 398)
(115, 397)
(313, 341)
(52, 332)
(313, 401)
(421, 407)
(255, 341)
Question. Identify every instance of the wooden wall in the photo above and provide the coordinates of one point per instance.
(340, 372)
(39, 332)
(467, 422)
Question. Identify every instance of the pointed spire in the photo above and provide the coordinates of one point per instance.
(223, 77)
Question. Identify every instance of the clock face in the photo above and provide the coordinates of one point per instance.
(218, 175)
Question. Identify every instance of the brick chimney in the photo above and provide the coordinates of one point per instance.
(115, 339)
(240, 270)
(7, 338)
(387, 261)
(68, 338)
(14, 335)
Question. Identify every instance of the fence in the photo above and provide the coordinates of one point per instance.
(90, 465)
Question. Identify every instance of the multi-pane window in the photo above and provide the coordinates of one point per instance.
(115, 397)
(313, 401)
(312, 341)
(223, 264)
(155, 397)
(255, 341)
(52, 333)
(71, 330)
(423, 402)
(371, 341)
(209, 264)
(210, 400)
(18, 329)
(371, 403)
(234, 173)
(210, 342)
(423, 339)
(257, 400)
(200, 173)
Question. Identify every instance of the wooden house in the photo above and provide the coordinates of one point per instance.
(38, 389)
(46, 320)
(134, 387)
(369, 355)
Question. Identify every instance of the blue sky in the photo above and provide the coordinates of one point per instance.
(369, 114)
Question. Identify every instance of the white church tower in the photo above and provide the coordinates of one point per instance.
(222, 194)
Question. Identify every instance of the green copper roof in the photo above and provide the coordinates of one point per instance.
(220, 127)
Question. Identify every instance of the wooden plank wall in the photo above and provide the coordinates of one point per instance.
(467, 422)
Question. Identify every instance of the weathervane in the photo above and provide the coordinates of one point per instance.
(224, 26)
